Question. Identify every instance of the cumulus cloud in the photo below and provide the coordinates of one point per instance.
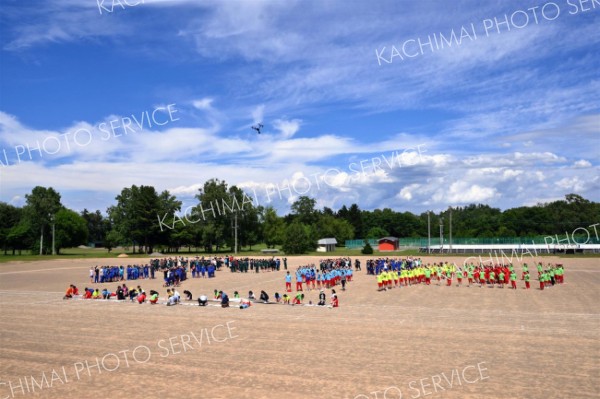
(582, 163)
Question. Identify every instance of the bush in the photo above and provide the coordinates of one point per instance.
(367, 249)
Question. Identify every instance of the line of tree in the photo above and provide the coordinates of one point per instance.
(139, 217)
(30, 227)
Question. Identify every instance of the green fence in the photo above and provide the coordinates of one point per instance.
(358, 244)
(422, 242)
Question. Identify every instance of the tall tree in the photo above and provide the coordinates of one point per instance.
(136, 213)
(329, 226)
(96, 226)
(218, 207)
(355, 219)
(273, 227)
(10, 216)
(42, 205)
(377, 233)
(240, 206)
(21, 236)
(250, 227)
(71, 229)
(304, 210)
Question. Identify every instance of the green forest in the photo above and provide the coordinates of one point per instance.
(147, 220)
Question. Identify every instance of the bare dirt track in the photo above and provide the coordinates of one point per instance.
(487, 342)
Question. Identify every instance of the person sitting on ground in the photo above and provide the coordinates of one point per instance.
(177, 296)
(264, 297)
(236, 294)
(217, 294)
(286, 299)
(334, 299)
(141, 298)
(245, 303)
(96, 294)
(75, 290)
(298, 299)
(153, 297)
(277, 297)
(251, 295)
(105, 294)
(224, 300)
(88, 293)
(188, 295)
(322, 298)
(120, 295)
(133, 293)
(173, 298)
(202, 300)
(69, 294)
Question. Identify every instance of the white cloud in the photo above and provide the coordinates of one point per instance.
(406, 192)
(287, 128)
(463, 193)
(582, 163)
(571, 184)
(510, 173)
(203, 104)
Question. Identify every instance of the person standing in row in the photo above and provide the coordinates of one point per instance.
(288, 282)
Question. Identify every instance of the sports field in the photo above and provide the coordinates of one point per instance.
(413, 342)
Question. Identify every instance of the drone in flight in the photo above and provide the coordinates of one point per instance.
(257, 127)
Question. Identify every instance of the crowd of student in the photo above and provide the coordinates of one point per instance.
(111, 274)
(329, 274)
(203, 269)
(243, 265)
(338, 263)
(285, 299)
(200, 267)
(392, 273)
(376, 266)
(121, 293)
(326, 277)
(175, 270)
(137, 294)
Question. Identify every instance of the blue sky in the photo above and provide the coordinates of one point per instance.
(506, 114)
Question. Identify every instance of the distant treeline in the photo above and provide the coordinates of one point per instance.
(147, 220)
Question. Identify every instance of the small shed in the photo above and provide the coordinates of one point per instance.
(326, 245)
(388, 244)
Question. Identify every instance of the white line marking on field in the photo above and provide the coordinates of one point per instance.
(45, 270)
(20, 292)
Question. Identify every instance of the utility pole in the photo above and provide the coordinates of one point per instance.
(428, 232)
(450, 229)
(235, 229)
(441, 234)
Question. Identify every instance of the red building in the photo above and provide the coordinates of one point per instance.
(388, 244)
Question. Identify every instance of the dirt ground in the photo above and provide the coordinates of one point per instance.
(413, 342)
